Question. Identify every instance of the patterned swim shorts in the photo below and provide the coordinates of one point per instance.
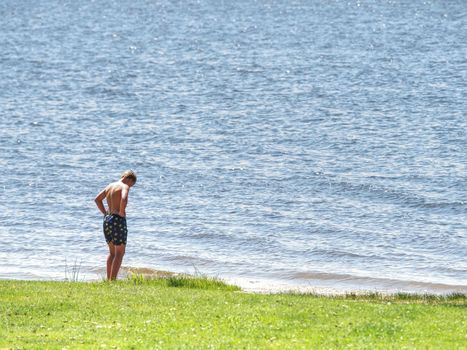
(115, 229)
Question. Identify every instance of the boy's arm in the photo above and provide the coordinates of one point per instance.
(99, 198)
(124, 201)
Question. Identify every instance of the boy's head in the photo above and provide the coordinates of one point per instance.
(129, 177)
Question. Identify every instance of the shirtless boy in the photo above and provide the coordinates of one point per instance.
(115, 230)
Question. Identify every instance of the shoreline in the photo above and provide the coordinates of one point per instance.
(338, 285)
(318, 283)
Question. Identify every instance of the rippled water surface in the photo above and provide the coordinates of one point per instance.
(302, 142)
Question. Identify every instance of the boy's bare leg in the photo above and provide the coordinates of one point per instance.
(117, 260)
(110, 260)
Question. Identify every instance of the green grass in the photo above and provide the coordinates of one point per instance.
(201, 313)
(182, 281)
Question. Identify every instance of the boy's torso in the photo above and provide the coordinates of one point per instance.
(114, 197)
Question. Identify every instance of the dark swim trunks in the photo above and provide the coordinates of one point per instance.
(115, 229)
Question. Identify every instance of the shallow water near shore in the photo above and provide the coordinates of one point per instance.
(287, 143)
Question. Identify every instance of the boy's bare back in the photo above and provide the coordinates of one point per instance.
(114, 193)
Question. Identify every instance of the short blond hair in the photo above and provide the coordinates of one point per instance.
(129, 174)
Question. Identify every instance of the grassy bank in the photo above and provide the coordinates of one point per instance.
(180, 313)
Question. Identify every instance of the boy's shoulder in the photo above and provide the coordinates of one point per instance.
(113, 185)
(119, 185)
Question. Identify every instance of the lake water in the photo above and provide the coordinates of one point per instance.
(296, 143)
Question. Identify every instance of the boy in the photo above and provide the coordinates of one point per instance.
(115, 230)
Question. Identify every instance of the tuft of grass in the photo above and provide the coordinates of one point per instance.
(136, 279)
(183, 281)
(72, 274)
